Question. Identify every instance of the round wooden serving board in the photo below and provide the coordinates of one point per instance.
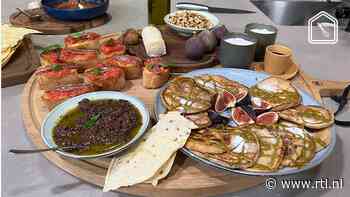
(50, 25)
(187, 177)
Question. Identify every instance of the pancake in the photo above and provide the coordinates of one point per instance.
(314, 117)
(277, 92)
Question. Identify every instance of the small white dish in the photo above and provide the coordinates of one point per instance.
(51, 121)
(186, 31)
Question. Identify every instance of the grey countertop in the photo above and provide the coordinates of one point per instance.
(33, 175)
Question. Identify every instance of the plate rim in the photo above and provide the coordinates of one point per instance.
(201, 160)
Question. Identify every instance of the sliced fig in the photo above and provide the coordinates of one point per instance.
(224, 100)
(267, 118)
(241, 95)
(241, 117)
(259, 104)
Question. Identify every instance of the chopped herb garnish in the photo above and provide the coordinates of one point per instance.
(76, 35)
(110, 42)
(96, 71)
(56, 67)
(92, 121)
(50, 48)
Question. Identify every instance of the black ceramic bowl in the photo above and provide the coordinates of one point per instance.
(75, 14)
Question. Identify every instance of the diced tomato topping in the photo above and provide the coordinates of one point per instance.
(124, 60)
(156, 68)
(104, 73)
(83, 37)
(69, 92)
(52, 56)
(55, 74)
(153, 65)
(152, 61)
(109, 48)
(78, 55)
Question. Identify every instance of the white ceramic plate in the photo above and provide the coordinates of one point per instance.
(189, 31)
(60, 110)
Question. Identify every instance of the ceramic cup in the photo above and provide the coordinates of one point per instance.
(237, 50)
(278, 58)
(265, 34)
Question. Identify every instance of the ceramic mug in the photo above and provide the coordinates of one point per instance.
(237, 50)
(265, 34)
(278, 58)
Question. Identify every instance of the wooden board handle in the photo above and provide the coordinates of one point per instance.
(329, 88)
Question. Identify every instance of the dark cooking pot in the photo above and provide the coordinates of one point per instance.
(75, 14)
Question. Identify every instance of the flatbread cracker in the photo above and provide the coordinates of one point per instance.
(10, 35)
(162, 172)
(153, 151)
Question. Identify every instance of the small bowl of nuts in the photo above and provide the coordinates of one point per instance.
(188, 22)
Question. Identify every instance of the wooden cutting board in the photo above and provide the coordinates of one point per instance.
(21, 65)
(50, 25)
(175, 46)
(187, 177)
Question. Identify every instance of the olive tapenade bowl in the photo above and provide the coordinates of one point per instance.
(51, 120)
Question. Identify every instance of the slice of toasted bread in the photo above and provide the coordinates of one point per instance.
(279, 93)
(50, 57)
(131, 65)
(50, 79)
(88, 58)
(85, 40)
(58, 95)
(106, 77)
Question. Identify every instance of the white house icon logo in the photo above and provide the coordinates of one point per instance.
(323, 29)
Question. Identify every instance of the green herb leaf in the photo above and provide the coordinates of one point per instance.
(76, 35)
(50, 48)
(150, 66)
(96, 71)
(92, 121)
(56, 67)
(110, 42)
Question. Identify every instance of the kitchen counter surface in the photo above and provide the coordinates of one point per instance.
(32, 175)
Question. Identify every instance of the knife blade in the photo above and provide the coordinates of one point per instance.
(201, 7)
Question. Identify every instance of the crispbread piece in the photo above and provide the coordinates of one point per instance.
(154, 150)
(162, 172)
(279, 93)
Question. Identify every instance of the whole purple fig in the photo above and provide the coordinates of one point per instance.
(220, 32)
(194, 48)
(209, 40)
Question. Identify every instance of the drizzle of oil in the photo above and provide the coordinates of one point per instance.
(69, 120)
